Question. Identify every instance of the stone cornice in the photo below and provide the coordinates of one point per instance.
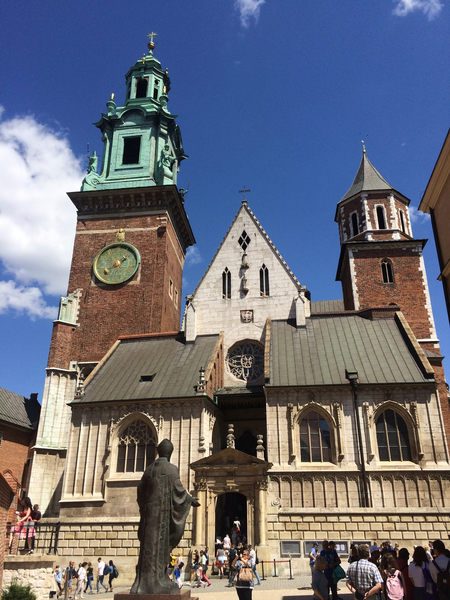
(438, 178)
(132, 202)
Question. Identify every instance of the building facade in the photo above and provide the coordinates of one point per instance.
(436, 202)
(305, 420)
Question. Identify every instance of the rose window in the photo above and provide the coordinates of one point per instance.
(246, 361)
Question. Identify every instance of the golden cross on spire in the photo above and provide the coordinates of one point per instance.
(244, 191)
(151, 43)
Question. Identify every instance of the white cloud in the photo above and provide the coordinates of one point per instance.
(248, 9)
(27, 300)
(417, 216)
(37, 219)
(193, 256)
(431, 8)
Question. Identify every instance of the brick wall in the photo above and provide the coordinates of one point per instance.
(142, 305)
(6, 498)
(14, 449)
(408, 289)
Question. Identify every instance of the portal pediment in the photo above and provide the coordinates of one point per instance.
(230, 458)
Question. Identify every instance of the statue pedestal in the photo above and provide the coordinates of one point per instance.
(180, 595)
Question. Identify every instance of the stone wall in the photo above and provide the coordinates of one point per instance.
(115, 539)
(33, 571)
(408, 528)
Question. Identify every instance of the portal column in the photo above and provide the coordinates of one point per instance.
(261, 513)
(200, 514)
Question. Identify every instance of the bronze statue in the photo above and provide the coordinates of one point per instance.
(164, 505)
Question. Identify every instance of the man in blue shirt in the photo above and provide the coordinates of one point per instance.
(333, 560)
(312, 557)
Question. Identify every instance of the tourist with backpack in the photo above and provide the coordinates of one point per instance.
(440, 570)
(394, 588)
(113, 573)
(402, 566)
(419, 573)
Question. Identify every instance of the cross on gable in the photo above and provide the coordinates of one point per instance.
(244, 191)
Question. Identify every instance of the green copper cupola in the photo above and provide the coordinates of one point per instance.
(142, 142)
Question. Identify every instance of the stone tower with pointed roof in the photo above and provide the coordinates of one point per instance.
(130, 245)
(381, 263)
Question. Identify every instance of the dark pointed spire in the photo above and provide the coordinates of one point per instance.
(367, 179)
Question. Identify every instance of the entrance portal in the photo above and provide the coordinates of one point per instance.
(230, 507)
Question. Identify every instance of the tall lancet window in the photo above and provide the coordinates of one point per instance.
(226, 284)
(387, 271)
(381, 217)
(264, 281)
(402, 221)
(355, 227)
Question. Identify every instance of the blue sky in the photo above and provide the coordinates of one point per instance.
(273, 95)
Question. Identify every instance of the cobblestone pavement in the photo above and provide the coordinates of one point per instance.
(273, 588)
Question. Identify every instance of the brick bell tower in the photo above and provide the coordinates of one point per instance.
(381, 263)
(130, 245)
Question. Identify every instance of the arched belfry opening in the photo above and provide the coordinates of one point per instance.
(141, 88)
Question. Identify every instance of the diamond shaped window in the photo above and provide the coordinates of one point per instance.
(244, 240)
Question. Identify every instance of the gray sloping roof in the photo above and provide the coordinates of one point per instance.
(18, 410)
(174, 362)
(319, 353)
(367, 179)
(324, 306)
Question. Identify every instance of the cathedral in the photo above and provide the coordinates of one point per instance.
(303, 420)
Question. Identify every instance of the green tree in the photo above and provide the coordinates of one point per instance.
(17, 591)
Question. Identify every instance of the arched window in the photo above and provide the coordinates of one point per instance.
(141, 88)
(137, 448)
(226, 284)
(392, 437)
(387, 271)
(355, 227)
(381, 217)
(315, 439)
(264, 281)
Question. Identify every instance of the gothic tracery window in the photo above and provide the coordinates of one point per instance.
(245, 360)
(315, 438)
(392, 437)
(137, 448)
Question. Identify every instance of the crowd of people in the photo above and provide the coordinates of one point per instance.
(383, 568)
(79, 580)
(230, 562)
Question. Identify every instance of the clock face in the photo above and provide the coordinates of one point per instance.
(116, 263)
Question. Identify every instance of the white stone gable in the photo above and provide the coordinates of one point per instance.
(243, 315)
